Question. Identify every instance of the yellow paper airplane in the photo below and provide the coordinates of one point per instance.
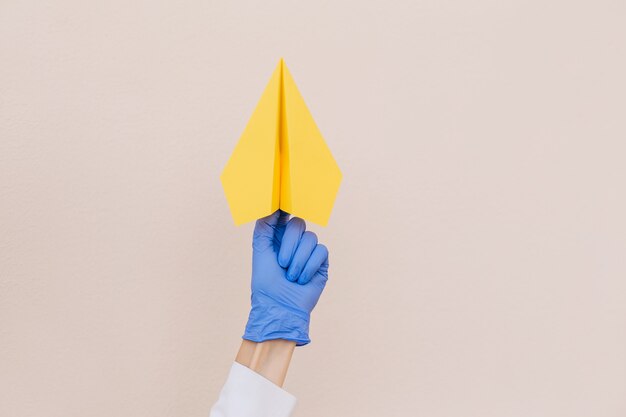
(281, 160)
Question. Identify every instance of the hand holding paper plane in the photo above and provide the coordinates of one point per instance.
(281, 160)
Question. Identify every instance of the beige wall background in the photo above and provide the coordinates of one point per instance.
(478, 244)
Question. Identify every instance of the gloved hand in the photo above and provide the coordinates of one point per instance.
(289, 272)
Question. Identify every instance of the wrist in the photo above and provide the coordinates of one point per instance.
(271, 320)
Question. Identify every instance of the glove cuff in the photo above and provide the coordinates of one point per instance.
(269, 320)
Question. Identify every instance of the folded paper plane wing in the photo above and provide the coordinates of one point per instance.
(281, 160)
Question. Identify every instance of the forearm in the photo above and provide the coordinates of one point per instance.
(270, 359)
(253, 387)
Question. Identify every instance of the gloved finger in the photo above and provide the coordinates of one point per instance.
(318, 258)
(269, 229)
(293, 232)
(303, 253)
(321, 277)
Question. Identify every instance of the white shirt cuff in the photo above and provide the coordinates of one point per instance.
(248, 394)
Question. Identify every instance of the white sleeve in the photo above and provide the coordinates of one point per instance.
(248, 394)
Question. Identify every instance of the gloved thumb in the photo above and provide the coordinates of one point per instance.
(269, 229)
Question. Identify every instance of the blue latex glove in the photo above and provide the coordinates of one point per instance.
(289, 272)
